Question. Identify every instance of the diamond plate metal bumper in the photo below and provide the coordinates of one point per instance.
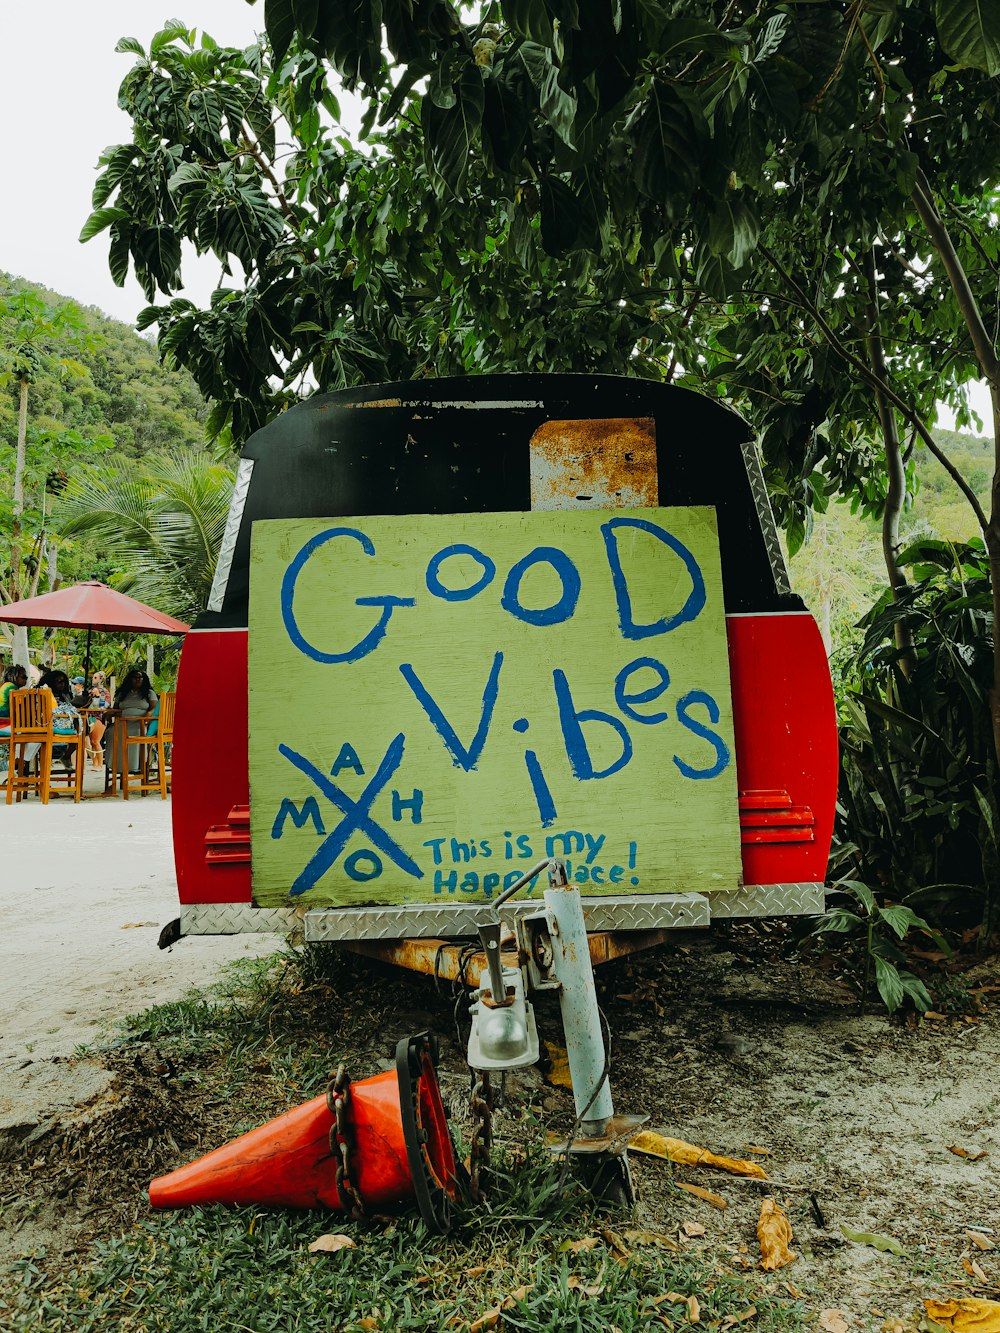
(675, 911)
(237, 918)
(669, 911)
(769, 900)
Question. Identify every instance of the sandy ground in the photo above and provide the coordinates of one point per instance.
(84, 892)
(871, 1129)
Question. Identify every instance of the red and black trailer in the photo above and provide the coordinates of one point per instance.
(513, 444)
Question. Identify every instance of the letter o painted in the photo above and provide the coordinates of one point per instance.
(569, 576)
(352, 866)
(437, 589)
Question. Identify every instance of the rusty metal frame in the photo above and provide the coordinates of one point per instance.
(465, 961)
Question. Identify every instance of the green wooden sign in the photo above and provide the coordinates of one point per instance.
(438, 701)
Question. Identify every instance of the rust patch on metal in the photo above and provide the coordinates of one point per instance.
(444, 957)
(604, 463)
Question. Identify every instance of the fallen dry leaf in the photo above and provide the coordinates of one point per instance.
(331, 1243)
(774, 1232)
(477, 1271)
(964, 1152)
(558, 1074)
(579, 1246)
(136, 925)
(731, 1320)
(833, 1321)
(689, 1154)
(885, 1244)
(970, 1315)
(368, 1322)
(694, 1310)
(640, 1236)
(975, 1269)
(577, 1284)
(518, 1294)
(716, 1200)
(488, 1319)
(616, 1242)
(693, 1228)
(980, 1241)
(760, 1152)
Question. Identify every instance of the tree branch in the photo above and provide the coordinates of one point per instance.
(871, 379)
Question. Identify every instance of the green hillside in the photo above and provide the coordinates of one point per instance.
(126, 400)
(98, 394)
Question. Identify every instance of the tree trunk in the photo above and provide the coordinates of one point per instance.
(895, 471)
(18, 508)
(19, 649)
(986, 355)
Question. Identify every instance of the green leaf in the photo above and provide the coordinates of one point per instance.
(306, 15)
(970, 33)
(100, 219)
(279, 21)
(839, 921)
(560, 216)
(889, 984)
(860, 891)
(449, 134)
(901, 919)
(530, 19)
(126, 44)
(886, 1244)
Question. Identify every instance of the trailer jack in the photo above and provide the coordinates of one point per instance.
(552, 954)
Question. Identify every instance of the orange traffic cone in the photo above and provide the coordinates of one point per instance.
(398, 1149)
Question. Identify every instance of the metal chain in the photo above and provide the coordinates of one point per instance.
(338, 1101)
(481, 1106)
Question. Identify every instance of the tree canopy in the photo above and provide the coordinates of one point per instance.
(789, 203)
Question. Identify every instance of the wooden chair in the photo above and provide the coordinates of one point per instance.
(150, 746)
(31, 724)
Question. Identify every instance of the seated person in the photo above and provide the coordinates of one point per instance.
(14, 678)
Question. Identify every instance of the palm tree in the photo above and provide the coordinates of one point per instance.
(160, 520)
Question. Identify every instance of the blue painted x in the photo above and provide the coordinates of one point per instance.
(357, 817)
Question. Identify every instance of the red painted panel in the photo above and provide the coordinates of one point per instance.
(786, 735)
(786, 742)
(210, 762)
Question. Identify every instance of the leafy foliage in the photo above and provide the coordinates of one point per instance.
(878, 930)
(918, 785)
(159, 522)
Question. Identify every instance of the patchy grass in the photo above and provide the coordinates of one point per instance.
(539, 1257)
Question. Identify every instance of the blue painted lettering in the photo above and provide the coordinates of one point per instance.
(445, 881)
(415, 805)
(348, 758)
(695, 600)
(437, 588)
(374, 636)
(722, 755)
(362, 866)
(577, 750)
(465, 757)
(626, 702)
(289, 810)
(569, 576)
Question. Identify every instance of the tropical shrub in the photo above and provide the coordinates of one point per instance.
(917, 811)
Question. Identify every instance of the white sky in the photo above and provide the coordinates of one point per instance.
(59, 110)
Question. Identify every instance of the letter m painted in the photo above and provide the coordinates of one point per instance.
(288, 809)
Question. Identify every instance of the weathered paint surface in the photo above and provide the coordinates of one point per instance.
(602, 464)
(435, 700)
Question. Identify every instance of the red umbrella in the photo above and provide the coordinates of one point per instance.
(91, 605)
